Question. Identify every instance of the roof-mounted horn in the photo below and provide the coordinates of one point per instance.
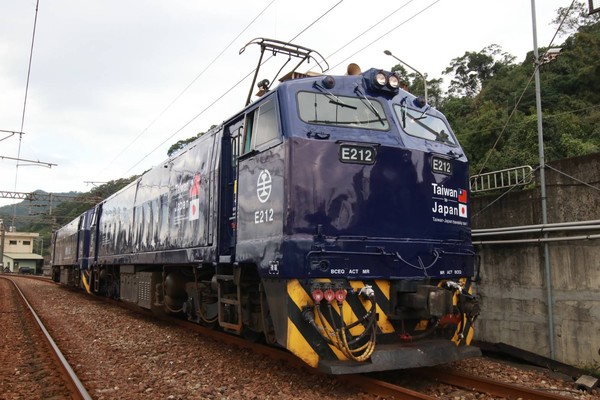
(353, 69)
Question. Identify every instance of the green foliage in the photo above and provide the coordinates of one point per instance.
(492, 108)
(59, 213)
(474, 69)
(180, 144)
(570, 19)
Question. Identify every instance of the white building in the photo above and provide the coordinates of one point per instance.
(17, 252)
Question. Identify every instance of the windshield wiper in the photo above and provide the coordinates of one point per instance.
(371, 106)
(403, 111)
(333, 99)
(441, 136)
(422, 116)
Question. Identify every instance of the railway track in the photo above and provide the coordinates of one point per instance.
(391, 385)
(39, 369)
(488, 386)
(387, 388)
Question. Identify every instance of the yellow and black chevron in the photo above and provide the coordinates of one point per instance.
(306, 343)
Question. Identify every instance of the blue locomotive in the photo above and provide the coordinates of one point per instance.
(329, 217)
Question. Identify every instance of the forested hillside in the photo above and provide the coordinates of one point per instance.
(40, 217)
(491, 106)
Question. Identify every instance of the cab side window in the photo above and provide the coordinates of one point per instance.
(261, 126)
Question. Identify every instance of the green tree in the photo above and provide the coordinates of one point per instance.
(491, 104)
(414, 84)
(570, 19)
(474, 69)
(180, 144)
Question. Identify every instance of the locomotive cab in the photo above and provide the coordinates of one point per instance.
(356, 209)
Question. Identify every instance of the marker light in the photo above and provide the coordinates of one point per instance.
(329, 295)
(381, 79)
(419, 102)
(394, 81)
(328, 82)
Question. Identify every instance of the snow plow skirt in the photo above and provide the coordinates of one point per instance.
(410, 355)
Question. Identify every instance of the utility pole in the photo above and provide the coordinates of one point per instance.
(1, 245)
(538, 103)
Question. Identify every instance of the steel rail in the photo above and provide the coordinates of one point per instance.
(382, 388)
(73, 383)
(369, 385)
(366, 383)
(486, 385)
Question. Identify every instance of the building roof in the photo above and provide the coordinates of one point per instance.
(23, 256)
(23, 235)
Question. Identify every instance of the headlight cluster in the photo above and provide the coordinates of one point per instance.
(388, 79)
(382, 81)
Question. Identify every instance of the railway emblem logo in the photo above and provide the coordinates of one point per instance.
(263, 186)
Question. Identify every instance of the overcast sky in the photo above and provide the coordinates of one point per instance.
(105, 74)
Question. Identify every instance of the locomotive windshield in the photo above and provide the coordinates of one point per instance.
(423, 125)
(356, 112)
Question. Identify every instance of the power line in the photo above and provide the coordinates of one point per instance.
(227, 91)
(25, 99)
(185, 89)
(535, 69)
(370, 28)
(387, 33)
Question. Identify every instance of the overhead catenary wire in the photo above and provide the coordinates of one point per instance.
(25, 103)
(369, 29)
(227, 91)
(536, 67)
(388, 32)
(186, 88)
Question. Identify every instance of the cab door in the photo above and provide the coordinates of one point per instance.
(260, 197)
(230, 151)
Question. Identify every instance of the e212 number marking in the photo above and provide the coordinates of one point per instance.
(262, 216)
(441, 166)
(350, 153)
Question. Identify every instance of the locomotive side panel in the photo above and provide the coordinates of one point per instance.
(191, 193)
(166, 211)
(65, 244)
(115, 226)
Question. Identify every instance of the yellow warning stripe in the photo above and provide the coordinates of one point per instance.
(383, 321)
(85, 282)
(301, 299)
(298, 345)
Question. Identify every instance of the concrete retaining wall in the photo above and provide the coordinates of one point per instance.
(513, 290)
